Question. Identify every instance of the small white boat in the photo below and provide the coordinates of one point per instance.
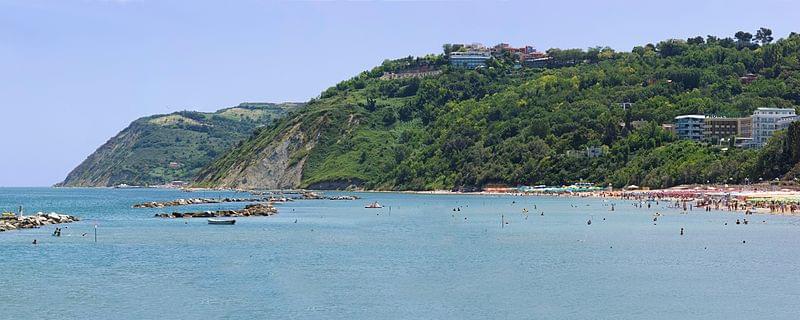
(374, 205)
(221, 221)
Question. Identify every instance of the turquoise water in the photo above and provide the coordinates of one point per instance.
(419, 261)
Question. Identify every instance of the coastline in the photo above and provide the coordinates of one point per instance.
(757, 199)
(745, 200)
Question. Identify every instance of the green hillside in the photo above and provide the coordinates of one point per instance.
(163, 148)
(509, 125)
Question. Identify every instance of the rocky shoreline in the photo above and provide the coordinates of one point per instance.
(251, 210)
(183, 202)
(35, 221)
(316, 196)
(272, 198)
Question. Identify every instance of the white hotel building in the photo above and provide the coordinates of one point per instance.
(768, 120)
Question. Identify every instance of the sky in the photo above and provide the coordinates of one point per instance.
(73, 73)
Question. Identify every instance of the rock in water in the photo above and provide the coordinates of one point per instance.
(34, 221)
(251, 210)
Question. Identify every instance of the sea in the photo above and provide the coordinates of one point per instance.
(494, 257)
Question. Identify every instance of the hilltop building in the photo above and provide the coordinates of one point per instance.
(768, 120)
(690, 126)
(669, 127)
(753, 131)
(597, 151)
(745, 127)
(421, 72)
(719, 128)
(537, 62)
(469, 59)
(748, 78)
(502, 47)
(743, 142)
(475, 55)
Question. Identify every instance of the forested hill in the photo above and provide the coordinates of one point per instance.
(524, 126)
(162, 148)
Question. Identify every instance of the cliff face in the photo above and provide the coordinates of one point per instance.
(279, 165)
(163, 148)
(276, 158)
(304, 151)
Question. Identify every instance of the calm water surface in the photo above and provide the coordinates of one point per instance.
(417, 261)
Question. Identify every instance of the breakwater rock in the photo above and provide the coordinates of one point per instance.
(251, 210)
(284, 196)
(343, 198)
(183, 202)
(316, 196)
(34, 221)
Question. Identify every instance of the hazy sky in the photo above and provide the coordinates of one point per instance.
(74, 73)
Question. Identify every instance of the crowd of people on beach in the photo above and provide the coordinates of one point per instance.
(708, 201)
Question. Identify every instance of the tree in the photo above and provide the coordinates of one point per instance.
(362, 157)
(388, 117)
(610, 128)
(727, 42)
(671, 47)
(695, 40)
(764, 36)
(743, 39)
(405, 112)
(371, 104)
(772, 56)
(447, 48)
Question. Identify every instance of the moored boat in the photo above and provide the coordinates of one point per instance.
(374, 205)
(221, 221)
